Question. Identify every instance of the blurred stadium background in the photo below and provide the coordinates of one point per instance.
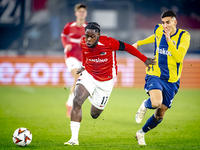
(33, 74)
(30, 37)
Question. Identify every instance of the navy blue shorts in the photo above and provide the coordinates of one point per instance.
(168, 89)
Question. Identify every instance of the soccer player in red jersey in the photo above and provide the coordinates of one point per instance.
(97, 74)
(70, 38)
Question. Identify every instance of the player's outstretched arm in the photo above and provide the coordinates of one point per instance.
(135, 45)
(133, 51)
(148, 40)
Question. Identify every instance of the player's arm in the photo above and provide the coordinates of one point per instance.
(180, 53)
(150, 39)
(82, 68)
(64, 38)
(133, 51)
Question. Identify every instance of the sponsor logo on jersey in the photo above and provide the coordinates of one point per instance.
(164, 52)
(100, 43)
(98, 60)
(150, 85)
(103, 53)
(157, 37)
(174, 42)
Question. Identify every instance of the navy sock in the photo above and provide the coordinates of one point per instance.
(150, 124)
(147, 104)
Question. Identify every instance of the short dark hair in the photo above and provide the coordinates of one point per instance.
(78, 6)
(168, 13)
(93, 25)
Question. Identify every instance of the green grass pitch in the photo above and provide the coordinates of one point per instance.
(42, 110)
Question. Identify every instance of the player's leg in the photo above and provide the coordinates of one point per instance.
(84, 88)
(151, 123)
(100, 97)
(75, 76)
(168, 92)
(95, 112)
(153, 102)
(69, 102)
(72, 64)
(155, 119)
(153, 87)
(81, 94)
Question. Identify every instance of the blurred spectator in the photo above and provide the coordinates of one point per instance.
(38, 4)
(54, 8)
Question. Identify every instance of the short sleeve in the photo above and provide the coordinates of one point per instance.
(66, 29)
(114, 43)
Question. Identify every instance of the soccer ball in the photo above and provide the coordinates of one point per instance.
(22, 137)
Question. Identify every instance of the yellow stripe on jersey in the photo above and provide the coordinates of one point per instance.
(169, 55)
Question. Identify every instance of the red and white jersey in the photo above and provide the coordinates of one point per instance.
(100, 61)
(72, 35)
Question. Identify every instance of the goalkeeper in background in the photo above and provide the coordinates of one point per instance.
(162, 80)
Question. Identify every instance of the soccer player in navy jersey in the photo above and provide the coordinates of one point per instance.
(97, 74)
(163, 78)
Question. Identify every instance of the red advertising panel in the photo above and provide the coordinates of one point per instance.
(52, 71)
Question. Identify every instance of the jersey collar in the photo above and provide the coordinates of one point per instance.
(175, 32)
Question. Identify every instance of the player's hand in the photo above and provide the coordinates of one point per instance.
(80, 70)
(167, 33)
(68, 47)
(150, 61)
(135, 45)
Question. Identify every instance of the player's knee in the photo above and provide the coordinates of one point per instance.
(156, 104)
(95, 115)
